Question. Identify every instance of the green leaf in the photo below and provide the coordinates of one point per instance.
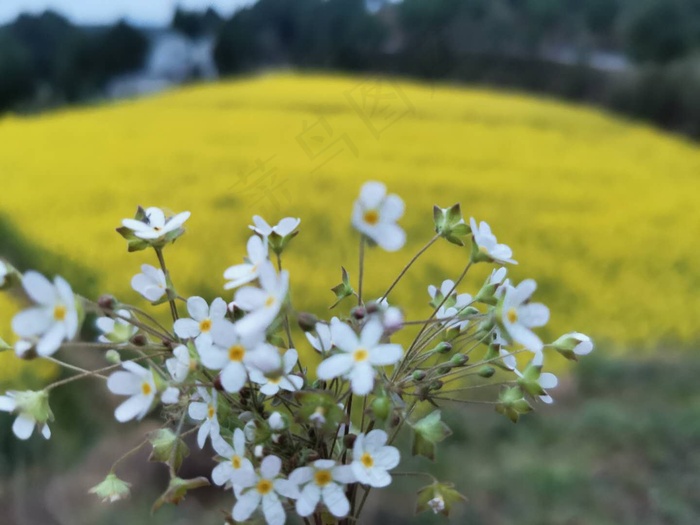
(427, 432)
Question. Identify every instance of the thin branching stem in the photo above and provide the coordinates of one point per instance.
(410, 263)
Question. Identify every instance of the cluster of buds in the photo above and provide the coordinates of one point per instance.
(289, 438)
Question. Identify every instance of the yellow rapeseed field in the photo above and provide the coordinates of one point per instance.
(602, 213)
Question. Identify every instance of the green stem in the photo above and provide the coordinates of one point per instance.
(410, 263)
(161, 260)
(362, 269)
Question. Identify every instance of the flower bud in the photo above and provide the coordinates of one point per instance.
(436, 385)
(487, 371)
(444, 369)
(443, 348)
(113, 357)
(372, 307)
(107, 302)
(139, 340)
(418, 375)
(307, 322)
(217, 383)
(349, 440)
(459, 360)
(573, 344)
(358, 313)
(381, 407)
(395, 421)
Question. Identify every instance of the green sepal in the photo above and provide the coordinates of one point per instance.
(4, 346)
(168, 448)
(427, 432)
(443, 494)
(177, 490)
(450, 225)
(278, 243)
(342, 290)
(529, 381)
(512, 404)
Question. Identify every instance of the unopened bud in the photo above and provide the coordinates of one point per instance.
(487, 371)
(139, 340)
(107, 302)
(307, 322)
(358, 313)
(459, 360)
(113, 357)
(395, 421)
(349, 440)
(443, 347)
(436, 385)
(418, 375)
(372, 307)
(217, 383)
(444, 369)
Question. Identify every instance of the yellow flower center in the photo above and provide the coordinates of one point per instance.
(59, 313)
(367, 460)
(146, 389)
(270, 301)
(371, 217)
(323, 477)
(512, 315)
(264, 486)
(483, 250)
(236, 353)
(205, 325)
(274, 380)
(360, 355)
(211, 411)
(236, 462)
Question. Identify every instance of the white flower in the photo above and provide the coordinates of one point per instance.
(497, 276)
(375, 214)
(4, 271)
(264, 490)
(32, 409)
(264, 303)
(150, 283)
(452, 307)
(518, 315)
(154, 226)
(359, 356)
(322, 341)
(372, 459)
(391, 316)
(203, 317)
(55, 317)
(576, 342)
(115, 330)
(488, 246)
(281, 377)
(237, 468)
(546, 380)
(277, 424)
(179, 365)
(282, 228)
(138, 383)
(205, 411)
(229, 351)
(248, 271)
(323, 482)
(437, 504)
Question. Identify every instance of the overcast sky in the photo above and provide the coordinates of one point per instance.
(144, 12)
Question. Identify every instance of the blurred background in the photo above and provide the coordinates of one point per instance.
(569, 125)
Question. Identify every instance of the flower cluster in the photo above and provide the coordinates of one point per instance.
(290, 437)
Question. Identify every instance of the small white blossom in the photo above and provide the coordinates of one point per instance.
(205, 411)
(237, 468)
(437, 504)
(277, 424)
(375, 214)
(155, 225)
(546, 380)
(203, 317)
(450, 310)
(372, 459)
(244, 273)
(282, 228)
(264, 303)
(32, 410)
(55, 317)
(323, 482)
(322, 341)
(150, 282)
(116, 330)
(359, 356)
(264, 491)
(488, 245)
(136, 382)
(281, 377)
(179, 365)
(518, 315)
(578, 343)
(229, 351)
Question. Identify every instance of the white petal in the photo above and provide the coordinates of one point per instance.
(239, 442)
(301, 475)
(371, 333)
(273, 510)
(250, 298)
(387, 458)
(170, 396)
(344, 337)
(105, 325)
(392, 209)
(270, 467)
(186, 328)
(286, 488)
(525, 337)
(334, 366)
(155, 217)
(7, 404)
(202, 434)
(23, 426)
(532, 315)
(308, 499)
(335, 500)
(548, 380)
(51, 340)
(286, 226)
(523, 291)
(46, 431)
(246, 505)
(222, 473)
(374, 440)
(222, 447)
(131, 408)
(198, 308)
(343, 474)
(362, 379)
(261, 225)
(177, 221)
(39, 288)
(124, 383)
(198, 411)
(135, 368)
(32, 322)
(233, 377)
(211, 356)
(389, 236)
(290, 359)
(383, 355)
(371, 194)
